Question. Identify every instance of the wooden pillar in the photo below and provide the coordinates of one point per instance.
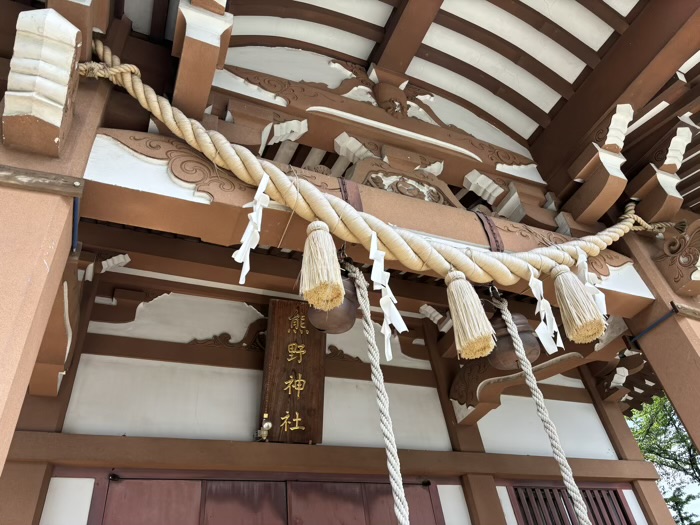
(647, 492)
(23, 489)
(36, 241)
(201, 41)
(480, 490)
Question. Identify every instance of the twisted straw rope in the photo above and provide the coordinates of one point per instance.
(411, 250)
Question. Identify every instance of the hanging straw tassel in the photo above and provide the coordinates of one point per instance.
(321, 283)
(583, 322)
(474, 335)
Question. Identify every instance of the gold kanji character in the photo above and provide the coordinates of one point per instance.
(296, 384)
(296, 352)
(286, 424)
(297, 324)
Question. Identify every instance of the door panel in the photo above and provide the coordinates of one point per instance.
(245, 503)
(325, 503)
(153, 502)
(380, 504)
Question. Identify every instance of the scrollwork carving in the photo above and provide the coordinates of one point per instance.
(333, 352)
(680, 261)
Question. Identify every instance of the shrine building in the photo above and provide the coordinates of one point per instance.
(345, 262)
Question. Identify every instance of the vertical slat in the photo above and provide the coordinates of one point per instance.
(594, 507)
(621, 508)
(515, 503)
(557, 509)
(609, 502)
(604, 511)
(546, 509)
(569, 507)
(525, 505)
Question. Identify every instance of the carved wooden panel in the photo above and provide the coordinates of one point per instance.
(294, 374)
(680, 261)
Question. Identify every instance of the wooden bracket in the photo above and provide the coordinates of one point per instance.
(44, 182)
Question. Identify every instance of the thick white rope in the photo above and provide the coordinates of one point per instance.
(392, 455)
(413, 251)
(579, 505)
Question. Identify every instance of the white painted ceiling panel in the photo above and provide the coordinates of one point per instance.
(574, 18)
(305, 31)
(492, 63)
(451, 113)
(511, 28)
(292, 64)
(622, 6)
(468, 90)
(372, 11)
(140, 13)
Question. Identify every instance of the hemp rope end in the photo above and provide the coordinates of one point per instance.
(583, 322)
(321, 283)
(474, 335)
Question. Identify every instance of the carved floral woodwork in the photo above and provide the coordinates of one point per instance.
(301, 96)
(680, 261)
(252, 341)
(415, 184)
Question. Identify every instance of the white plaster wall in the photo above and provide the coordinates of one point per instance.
(351, 416)
(514, 428)
(140, 13)
(181, 318)
(373, 11)
(67, 501)
(454, 505)
(621, 6)
(119, 396)
(636, 509)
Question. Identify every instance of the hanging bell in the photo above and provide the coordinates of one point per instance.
(341, 319)
(503, 356)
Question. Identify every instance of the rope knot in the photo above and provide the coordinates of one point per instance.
(558, 270)
(454, 275)
(315, 226)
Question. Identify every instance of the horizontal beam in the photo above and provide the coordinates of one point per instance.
(75, 450)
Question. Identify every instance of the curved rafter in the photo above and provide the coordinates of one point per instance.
(469, 106)
(507, 50)
(486, 81)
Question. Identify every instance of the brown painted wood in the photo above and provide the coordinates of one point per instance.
(405, 31)
(508, 50)
(607, 14)
(274, 41)
(471, 107)
(379, 505)
(307, 12)
(245, 503)
(547, 27)
(482, 499)
(75, 450)
(159, 16)
(636, 67)
(162, 502)
(325, 503)
(294, 374)
(486, 81)
(30, 180)
(23, 489)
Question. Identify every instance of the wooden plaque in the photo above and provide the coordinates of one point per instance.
(294, 374)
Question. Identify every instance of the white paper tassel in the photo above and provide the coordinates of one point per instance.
(251, 235)
(547, 331)
(380, 281)
(588, 281)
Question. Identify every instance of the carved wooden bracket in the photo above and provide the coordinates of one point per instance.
(598, 168)
(528, 205)
(479, 386)
(656, 187)
(42, 83)
(680, 261)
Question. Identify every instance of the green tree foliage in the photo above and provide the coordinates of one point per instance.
(665, 442)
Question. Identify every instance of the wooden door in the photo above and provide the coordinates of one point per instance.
(379, 503)
(153, 502)
(245, 503)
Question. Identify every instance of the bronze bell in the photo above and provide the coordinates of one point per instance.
(341, 319)
(503, 355)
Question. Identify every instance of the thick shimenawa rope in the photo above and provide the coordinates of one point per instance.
(392, 455)
(413, 251)
(579, 505)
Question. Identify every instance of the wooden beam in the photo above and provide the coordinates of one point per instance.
(405, 30)
(607, 14)
(545, 26)
(307, 12)
(506, 49)
(75, 450)
(16, 177)
(483, 79)
(636, 67)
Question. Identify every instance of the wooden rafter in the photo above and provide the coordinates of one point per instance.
(307, 12)
(495, 86)
(607, 14)
(545, 26)
(507, 50)
(276, 41)
(470, 107)
(405, 31)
